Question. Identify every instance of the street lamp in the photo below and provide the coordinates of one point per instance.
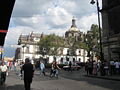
(23, 51)
(100, 37)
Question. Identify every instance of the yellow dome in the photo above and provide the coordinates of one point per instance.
(73, 29)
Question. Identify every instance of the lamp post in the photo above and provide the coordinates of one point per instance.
(100, 37)
(23, 51)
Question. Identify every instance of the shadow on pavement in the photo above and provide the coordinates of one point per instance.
(77, 76)
(15, 87)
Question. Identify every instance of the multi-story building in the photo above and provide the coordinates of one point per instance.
(111, 29)
(73, 35)
(30, 49)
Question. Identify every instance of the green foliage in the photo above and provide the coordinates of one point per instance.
(92, 37)
(82, 45)
(50, 43)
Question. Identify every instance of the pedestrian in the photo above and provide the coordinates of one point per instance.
(28, 73)
(117, 66)
(54, 69)
(90, 67)
(106, 68)
(86, 67)
(3, 69)
(70, 66)
(112, 67)
(15, 65)
(42, 68)
(21, 71)
(94, 67)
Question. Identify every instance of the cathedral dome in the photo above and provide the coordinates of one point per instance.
(73, 29)
(73, 26)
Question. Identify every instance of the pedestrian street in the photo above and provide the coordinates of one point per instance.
(66, 81)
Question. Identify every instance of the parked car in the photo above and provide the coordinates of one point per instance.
(74, 67)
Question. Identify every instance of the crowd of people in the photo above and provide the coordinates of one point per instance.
(105, 68)
(25, 70)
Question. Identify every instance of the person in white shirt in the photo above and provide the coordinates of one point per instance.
(117, 66)
(3, 69)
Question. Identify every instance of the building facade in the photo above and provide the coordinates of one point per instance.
(30, 49)
(111, 29)
(74, 32)
(72, 35)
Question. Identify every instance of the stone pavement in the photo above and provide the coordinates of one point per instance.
(113, 77)
(66, 81)
(108, 77)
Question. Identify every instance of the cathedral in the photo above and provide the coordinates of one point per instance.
(29, 47)
(74, 31)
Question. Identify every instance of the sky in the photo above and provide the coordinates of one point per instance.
(48, 16)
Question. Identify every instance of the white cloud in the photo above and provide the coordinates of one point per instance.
(86, 21)
(59, 16)
(49, 16)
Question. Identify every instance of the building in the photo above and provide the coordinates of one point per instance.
(74, 32)
(111, 29)
(29, 47)
(72, 35)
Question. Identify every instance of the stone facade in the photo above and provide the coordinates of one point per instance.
(74, 32)
(111, 29)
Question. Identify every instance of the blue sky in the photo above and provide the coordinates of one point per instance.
(49, 16)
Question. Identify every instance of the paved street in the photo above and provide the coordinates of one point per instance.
(66, 81)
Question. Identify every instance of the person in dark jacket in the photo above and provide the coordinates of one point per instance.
(70, 66)
(28, 73)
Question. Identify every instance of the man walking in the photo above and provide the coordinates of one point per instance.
(28, 73)
(70, 66)
(3, 69)
(42, 68)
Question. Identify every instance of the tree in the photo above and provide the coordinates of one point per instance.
(92, 39)
(50, 44)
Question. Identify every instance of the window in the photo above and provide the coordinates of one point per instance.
(73, 59)
(79, 59)
(67, 59)
(61, 61)
(79, 52)
(27, 50)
